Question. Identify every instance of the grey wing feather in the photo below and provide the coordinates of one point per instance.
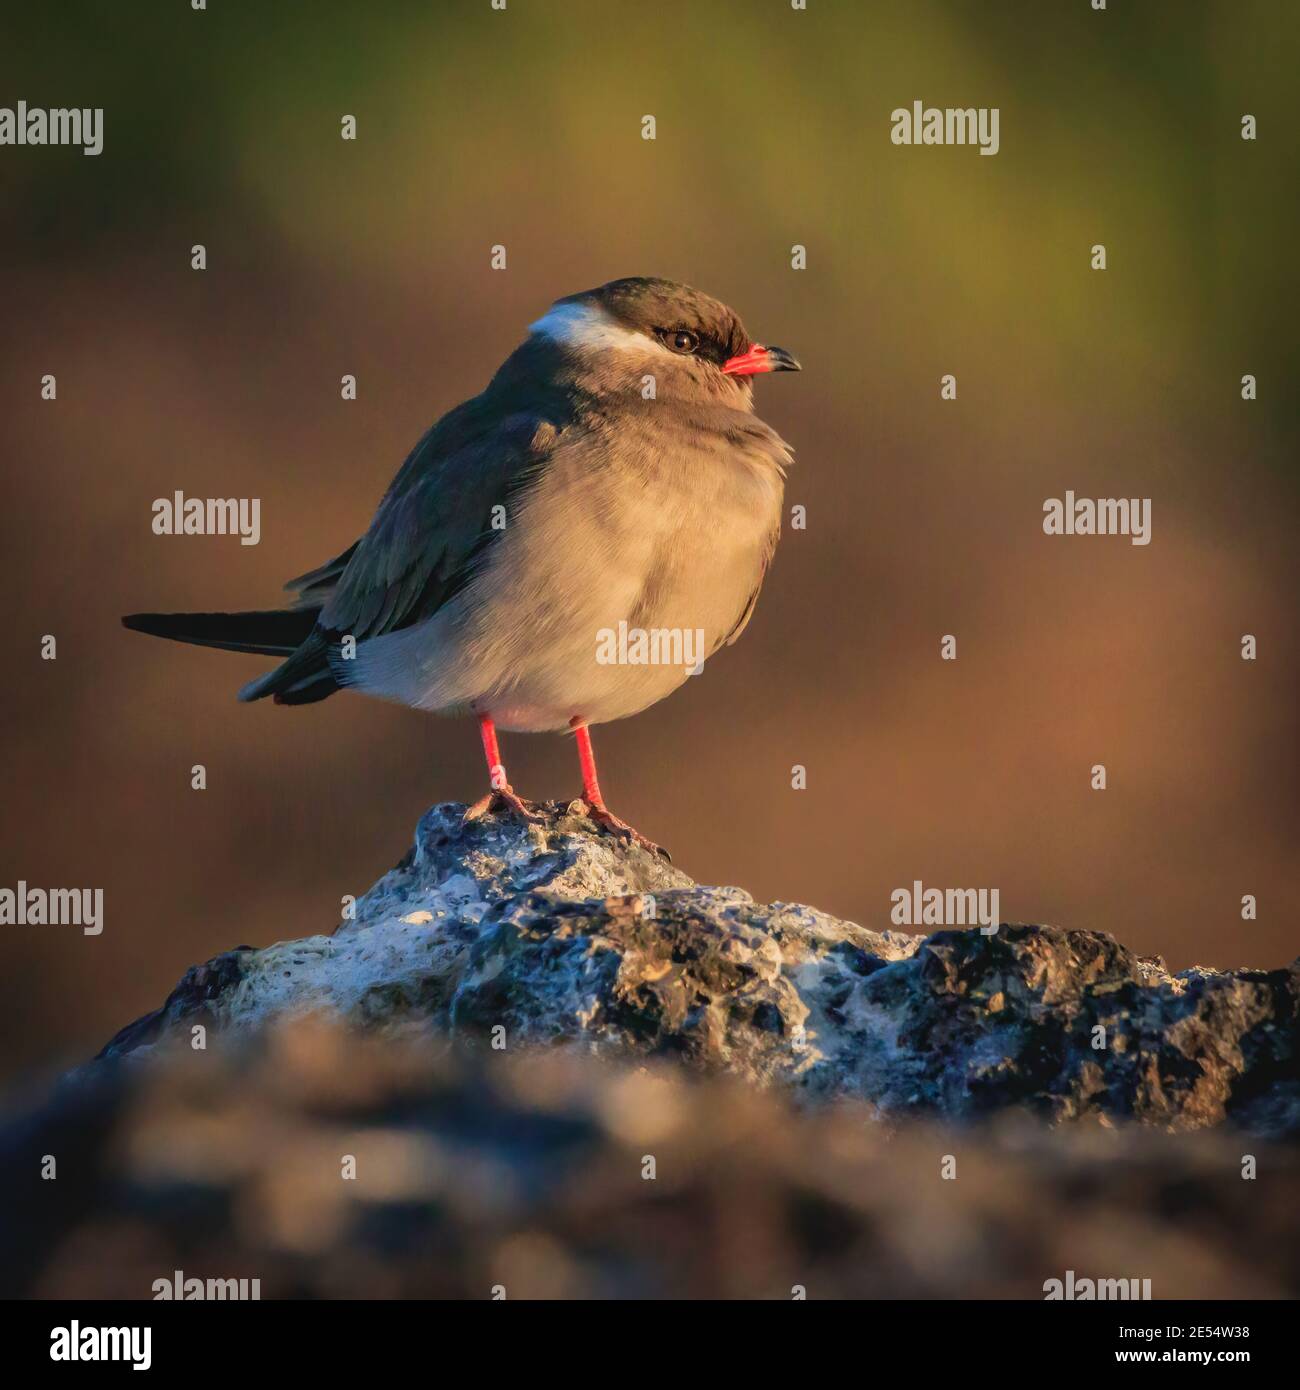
(312, 590)
(424, 542)
(432, 526)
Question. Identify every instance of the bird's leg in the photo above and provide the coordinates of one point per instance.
(502, 796)
(596, 808)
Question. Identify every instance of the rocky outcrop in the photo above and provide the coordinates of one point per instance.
(324, 1163)
(511, 936)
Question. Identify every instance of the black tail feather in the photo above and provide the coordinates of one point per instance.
(277, 633)
(301, 679)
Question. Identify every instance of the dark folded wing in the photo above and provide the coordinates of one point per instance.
(313, 589)
(436, 520)
(451, 499)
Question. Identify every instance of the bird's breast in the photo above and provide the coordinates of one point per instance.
(627, 563)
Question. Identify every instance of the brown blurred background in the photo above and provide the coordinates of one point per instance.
(522, 127)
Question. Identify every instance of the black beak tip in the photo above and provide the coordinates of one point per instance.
(783, 361)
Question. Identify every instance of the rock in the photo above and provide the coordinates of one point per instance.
(474, 1173)
(522, 936)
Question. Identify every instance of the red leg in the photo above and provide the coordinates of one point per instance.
(598, 811)
(502, 796)
(496, 770)
(587, 761)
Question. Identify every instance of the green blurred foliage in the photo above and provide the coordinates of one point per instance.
(1120, 126)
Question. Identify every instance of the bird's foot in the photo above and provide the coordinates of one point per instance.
(503, 801)
(607, 820)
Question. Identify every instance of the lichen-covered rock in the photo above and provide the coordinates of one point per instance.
(518, 935)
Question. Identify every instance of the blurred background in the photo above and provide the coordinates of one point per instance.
(523, 127)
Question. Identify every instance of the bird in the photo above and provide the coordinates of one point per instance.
(554, 549)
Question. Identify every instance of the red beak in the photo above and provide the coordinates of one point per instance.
(760, 359)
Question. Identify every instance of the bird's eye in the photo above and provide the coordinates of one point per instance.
(681, 340)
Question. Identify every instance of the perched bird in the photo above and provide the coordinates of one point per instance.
(560, 550)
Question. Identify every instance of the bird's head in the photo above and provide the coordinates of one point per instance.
(641, 326)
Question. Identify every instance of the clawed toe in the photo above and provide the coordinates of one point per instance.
(607, 820)
(500, 802)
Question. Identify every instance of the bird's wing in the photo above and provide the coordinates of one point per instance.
(313, 589)
(759, 439)
(752, 602)
(437, 518)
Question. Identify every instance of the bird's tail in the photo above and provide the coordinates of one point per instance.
(301, 679)
(269, 634)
